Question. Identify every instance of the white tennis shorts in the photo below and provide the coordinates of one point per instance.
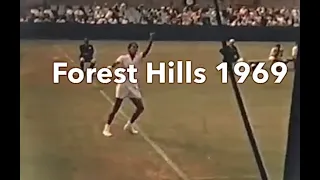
(128, 90)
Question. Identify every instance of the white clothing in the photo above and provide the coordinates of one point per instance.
(294, 51)
(275, 54)
(128, 89)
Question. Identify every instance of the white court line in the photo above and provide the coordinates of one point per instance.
(156, 147)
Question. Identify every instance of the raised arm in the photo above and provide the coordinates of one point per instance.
(146, 52)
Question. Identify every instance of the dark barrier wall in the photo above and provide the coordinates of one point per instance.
(164, 32)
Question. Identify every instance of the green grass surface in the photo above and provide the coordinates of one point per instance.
(199, 127)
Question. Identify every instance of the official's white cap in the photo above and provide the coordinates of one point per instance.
(232, 41)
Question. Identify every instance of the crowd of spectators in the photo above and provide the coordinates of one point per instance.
(190, 15)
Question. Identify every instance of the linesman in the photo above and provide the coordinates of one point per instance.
(87, 53)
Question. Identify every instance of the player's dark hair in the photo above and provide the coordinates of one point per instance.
(132, 44)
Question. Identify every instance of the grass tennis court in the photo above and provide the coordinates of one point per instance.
(198, 127)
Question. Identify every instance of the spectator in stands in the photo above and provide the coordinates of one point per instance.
(189, 15)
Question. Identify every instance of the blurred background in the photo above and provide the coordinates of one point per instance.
(178, 12)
